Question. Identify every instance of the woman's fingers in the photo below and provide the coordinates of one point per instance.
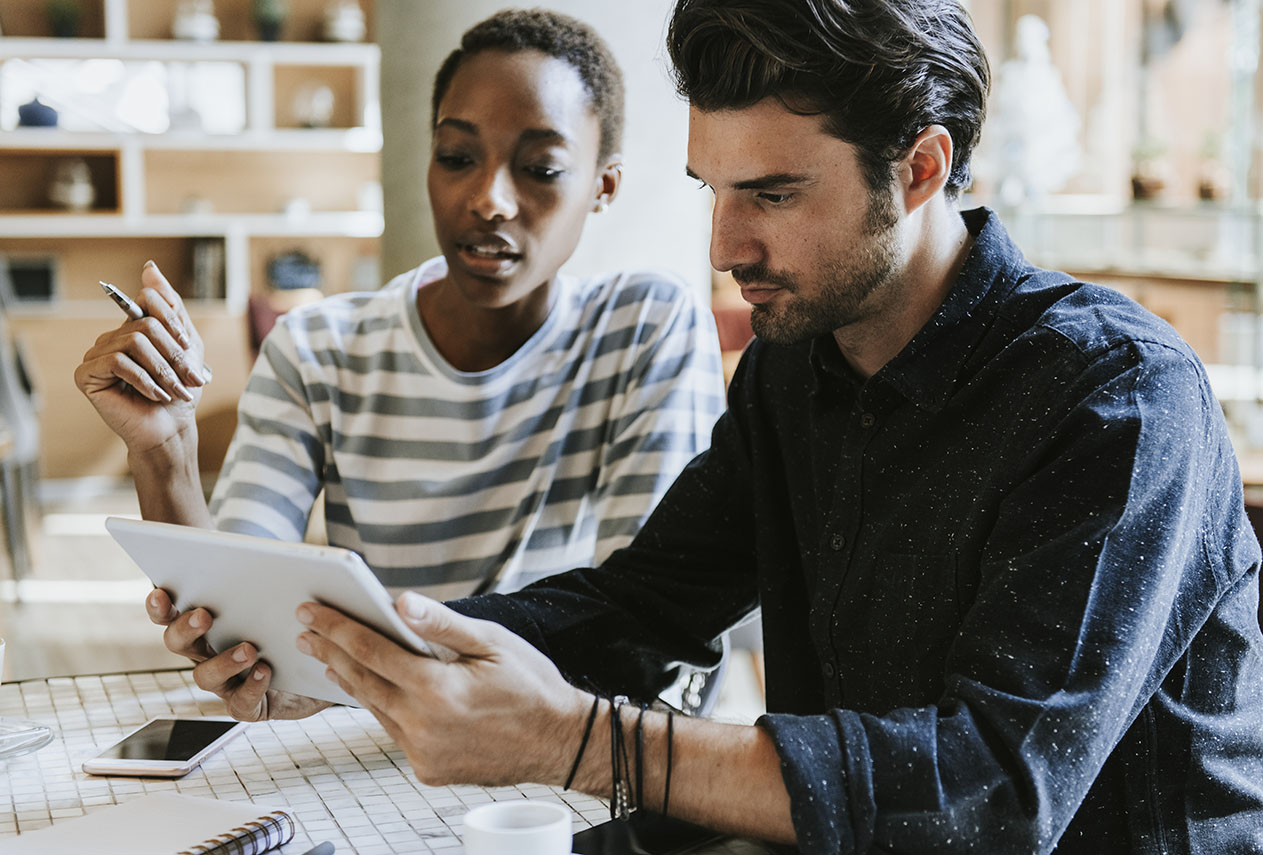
(186, 635)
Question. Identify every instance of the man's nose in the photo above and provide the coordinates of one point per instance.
(732, 242)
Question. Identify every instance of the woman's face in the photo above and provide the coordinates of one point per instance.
(514, 173)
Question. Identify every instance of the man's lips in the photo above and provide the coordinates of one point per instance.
(758, 292)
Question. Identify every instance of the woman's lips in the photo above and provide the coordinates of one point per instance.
(488, 259)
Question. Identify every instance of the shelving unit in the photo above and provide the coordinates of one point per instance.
(273, 187)
(245, 179)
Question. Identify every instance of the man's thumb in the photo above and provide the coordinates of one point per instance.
(451, 633)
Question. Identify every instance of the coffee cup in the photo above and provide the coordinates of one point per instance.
(518, 828)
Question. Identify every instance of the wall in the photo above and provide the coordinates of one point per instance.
(660, 218)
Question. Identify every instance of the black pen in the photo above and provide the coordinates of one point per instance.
(325, 848)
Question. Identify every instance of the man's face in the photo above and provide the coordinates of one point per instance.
(811, 245)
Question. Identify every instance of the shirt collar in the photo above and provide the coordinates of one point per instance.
(926, 370)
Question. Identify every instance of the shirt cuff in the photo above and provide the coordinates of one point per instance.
(827, 774)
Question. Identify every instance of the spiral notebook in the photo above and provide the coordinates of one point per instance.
(163, 824)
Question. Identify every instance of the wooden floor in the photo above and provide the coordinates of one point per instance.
(82, 610)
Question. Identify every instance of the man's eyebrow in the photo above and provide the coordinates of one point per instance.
(763, 182)
(770, 182)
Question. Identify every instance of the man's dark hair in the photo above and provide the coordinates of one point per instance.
(559, 36)
(878, 71)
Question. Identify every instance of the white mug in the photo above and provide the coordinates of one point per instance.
(518, 828)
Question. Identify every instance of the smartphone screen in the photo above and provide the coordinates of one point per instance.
(169, 740)
(644, 833)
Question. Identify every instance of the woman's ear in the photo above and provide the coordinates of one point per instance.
(608, 180)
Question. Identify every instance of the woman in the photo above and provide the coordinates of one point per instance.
(480, 422)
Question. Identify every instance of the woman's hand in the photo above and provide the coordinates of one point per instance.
(144, 377)
(237, 676)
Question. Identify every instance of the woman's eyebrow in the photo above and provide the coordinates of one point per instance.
(457, 124)
(530, 135)
(547, 135)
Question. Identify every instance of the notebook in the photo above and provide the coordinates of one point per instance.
(162, 824)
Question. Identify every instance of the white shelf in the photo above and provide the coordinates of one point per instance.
(364, 140)
(171, 50)
(318, 224)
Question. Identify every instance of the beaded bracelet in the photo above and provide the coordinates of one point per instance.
(620, 798)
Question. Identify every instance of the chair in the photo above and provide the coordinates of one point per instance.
(19, 465)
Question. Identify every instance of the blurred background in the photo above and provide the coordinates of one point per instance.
(265, 153)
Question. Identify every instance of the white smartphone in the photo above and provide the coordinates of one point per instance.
(165, 747)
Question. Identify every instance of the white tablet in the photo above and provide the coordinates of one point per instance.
(252, 587)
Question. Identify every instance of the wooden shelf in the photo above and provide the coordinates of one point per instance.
(174, 50)
(360, 139)
(316, 224)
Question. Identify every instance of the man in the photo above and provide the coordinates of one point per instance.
(991, 514)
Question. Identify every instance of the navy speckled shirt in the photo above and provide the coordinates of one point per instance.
(1010, 596)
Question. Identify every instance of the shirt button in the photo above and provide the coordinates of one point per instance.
(837, 542)
(828, 669)
(868, 420)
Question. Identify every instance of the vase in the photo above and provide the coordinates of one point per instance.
(37, 114)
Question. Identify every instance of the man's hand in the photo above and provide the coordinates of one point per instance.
(237, 676)
(499, 714)
(144, 377)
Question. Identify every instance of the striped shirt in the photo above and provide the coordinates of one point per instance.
(441, 478)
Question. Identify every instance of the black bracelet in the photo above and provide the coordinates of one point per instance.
(620, 801)
(583, 743)
(640, 750)
(666, 790)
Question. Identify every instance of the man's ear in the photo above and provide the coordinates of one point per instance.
(608, 180)
(926, 167)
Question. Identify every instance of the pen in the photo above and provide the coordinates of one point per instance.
(135, 312)
(325, 848)
(127, 304)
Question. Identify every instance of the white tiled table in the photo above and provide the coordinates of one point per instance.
(338, 771)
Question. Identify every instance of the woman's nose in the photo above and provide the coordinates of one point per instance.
(495, 198)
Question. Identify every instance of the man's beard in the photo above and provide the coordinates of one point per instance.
(843, 288)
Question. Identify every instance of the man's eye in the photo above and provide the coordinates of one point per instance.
(775, 198)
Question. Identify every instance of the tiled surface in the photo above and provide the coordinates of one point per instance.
(338, 772)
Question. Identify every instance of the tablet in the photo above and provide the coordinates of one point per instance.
(253, 585)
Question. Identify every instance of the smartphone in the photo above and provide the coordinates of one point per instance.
(644, 833)
(165, 747)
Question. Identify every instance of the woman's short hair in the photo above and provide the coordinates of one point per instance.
(877, 71)
(556, 35)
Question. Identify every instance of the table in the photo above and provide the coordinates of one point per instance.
(341, 775)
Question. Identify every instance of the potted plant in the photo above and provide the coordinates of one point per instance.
(63, 17)
(269, 17)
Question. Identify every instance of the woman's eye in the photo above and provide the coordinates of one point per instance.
(544, 173)
(452, 161)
